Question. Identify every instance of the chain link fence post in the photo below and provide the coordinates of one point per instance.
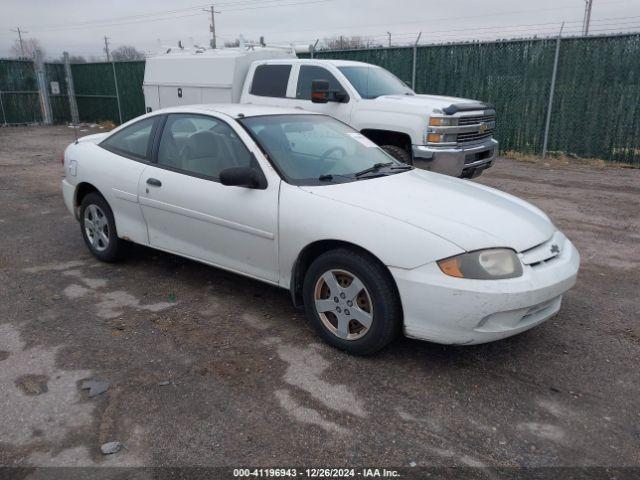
(41, 79)
(71, 91)
(415, 59)
(115, 81)
(552, 90)
(4, 117)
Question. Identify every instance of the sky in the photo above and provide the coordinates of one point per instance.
(79, 26)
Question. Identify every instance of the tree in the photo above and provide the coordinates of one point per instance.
(74, 59)
(28, 49)
(126, 52)
(344, 43)
(236, 43)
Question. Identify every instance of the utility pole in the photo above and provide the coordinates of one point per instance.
(212, 27)
(106, 47)
(389, 33)
(587, 17)
(20, 32)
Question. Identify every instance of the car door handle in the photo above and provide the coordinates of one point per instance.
(154, 182)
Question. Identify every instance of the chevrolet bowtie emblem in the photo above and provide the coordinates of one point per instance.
(483, 127)
(555, 249)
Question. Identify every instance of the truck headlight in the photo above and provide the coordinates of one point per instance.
(442, 121)
(441, 137)
(492, 264)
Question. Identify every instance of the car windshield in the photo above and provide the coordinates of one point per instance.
(317, 149)
(373, 82)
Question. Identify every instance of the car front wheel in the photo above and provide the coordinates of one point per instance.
(352, 302)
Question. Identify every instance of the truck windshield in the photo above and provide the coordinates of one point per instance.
(317, 149)
(373, 82)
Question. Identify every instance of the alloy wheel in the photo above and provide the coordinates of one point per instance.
(343, 304)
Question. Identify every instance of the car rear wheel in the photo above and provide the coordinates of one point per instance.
(398, 153)
(352, 302)
(99, 228)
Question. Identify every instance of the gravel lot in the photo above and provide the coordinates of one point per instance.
(212, 369)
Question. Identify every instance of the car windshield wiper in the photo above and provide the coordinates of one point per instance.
(372, 169)
(325, 178)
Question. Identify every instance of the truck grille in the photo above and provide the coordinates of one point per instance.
(480, 134)
(474, 136)
(476, 119)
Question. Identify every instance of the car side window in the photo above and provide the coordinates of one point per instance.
(132, 141)
(309, 73)
(270, 80)
(200, 145)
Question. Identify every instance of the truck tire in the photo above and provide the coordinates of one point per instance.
(360, 318)
(398, 153)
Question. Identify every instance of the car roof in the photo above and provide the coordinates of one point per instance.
(236, 110)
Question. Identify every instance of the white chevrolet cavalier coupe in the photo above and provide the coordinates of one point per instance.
(368, 245)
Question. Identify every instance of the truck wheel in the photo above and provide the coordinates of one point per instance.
(99, 228)
(398, 153)
(351, 301)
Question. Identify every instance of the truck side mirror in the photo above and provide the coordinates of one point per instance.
(320, 91)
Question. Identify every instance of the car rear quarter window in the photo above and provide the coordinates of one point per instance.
(133, 141)
(270, 80)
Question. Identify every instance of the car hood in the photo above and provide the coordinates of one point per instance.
(418, 103)
(467, 214)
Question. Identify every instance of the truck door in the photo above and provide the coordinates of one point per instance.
(338, 109)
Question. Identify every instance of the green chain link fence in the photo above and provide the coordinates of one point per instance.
(19, 97)
(595, 110)
(95, 91)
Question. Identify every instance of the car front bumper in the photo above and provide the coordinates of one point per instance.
(449, 310)
(467, 161)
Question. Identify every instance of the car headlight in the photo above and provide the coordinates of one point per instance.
(492, 264)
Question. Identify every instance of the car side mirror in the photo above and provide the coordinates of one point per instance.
(320, 91)
(240, 177)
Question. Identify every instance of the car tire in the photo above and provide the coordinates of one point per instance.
(398, 153)
(339, 316)
(99, 228)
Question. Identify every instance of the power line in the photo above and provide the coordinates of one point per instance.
(143, 18)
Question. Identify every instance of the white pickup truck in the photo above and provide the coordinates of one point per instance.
(444, 134)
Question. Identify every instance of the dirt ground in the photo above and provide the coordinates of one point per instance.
(206, 368)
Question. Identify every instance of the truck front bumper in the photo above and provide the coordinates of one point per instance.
(466, 162)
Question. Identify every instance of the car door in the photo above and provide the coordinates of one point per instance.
(116, 167)
(308, 73)
(189, 212)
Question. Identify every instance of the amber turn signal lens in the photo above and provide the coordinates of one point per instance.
(436, 121)
(451, 267)
(434, 138)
